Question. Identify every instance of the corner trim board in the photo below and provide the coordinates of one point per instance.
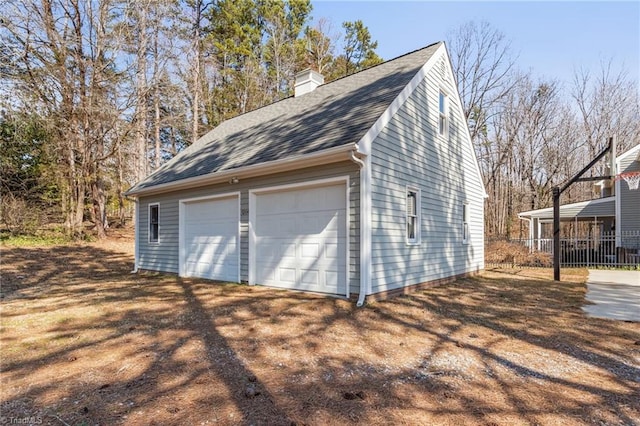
(136, 246)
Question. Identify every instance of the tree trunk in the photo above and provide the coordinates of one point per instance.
(141, 96)
(156, 105)
(99, 206)
(120, 184)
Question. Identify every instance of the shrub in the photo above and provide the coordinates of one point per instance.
(18, 217)
(506, 252)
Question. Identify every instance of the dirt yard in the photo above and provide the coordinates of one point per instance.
(85, 342)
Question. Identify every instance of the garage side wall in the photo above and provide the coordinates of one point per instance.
(163, 256)
(410, 153)
(629, 198)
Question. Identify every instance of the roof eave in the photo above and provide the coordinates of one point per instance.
(326, 156)
(632, 151)
(540, 213)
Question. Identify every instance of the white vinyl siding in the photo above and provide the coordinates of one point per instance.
(629, 198)
(164, 257)
(410, 152)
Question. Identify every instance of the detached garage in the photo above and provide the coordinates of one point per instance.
(366, 185)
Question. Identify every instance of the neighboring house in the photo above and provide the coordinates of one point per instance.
(614, 216)
(365, 185)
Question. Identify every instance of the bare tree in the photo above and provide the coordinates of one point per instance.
(140, 39)
(533, 147)
(196, 21)
(66, 63)
(282, 23)
(608, 104)
(484, 65)
(320, 42)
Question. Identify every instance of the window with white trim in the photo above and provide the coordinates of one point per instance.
(443, 114)
(413, 216)
(465, 223)
(154, 223)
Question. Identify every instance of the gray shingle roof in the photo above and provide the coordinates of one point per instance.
(334, 114)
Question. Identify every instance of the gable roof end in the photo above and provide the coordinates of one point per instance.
(630, 152)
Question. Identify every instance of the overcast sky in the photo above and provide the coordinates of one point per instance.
(550, 38)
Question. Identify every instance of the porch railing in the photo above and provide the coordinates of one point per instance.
(606, 249)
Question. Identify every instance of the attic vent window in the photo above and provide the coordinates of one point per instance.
(443, 69)
(443, 114)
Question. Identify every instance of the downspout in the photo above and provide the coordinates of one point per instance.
(363, 290)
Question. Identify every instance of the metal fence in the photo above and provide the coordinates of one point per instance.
(605, 249)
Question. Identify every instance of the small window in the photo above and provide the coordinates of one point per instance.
(154, 223)
(465, 223)
(443, 117)
(413, 216)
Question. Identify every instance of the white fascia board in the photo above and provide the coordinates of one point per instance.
(326, 156)
(466, 126)
(364, 145)
(635, 150)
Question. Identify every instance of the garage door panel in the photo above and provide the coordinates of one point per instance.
(331, 278)
(304, 200)
(287, 275)
(309, 276)
(301, 239)
(310, 250)
(294, 225)
(278, 251)
(288, 250)
(211, 239)
(331, 250)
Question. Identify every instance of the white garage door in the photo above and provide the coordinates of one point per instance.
(210, 239)
(301, 239)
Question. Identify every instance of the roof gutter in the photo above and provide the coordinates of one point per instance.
(326, 156)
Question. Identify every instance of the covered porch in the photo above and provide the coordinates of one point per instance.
(588, 234)
(586, 217)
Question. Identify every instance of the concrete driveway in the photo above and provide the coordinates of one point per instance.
(615, 294)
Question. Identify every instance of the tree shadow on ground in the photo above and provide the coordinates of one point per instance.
(86, 341)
